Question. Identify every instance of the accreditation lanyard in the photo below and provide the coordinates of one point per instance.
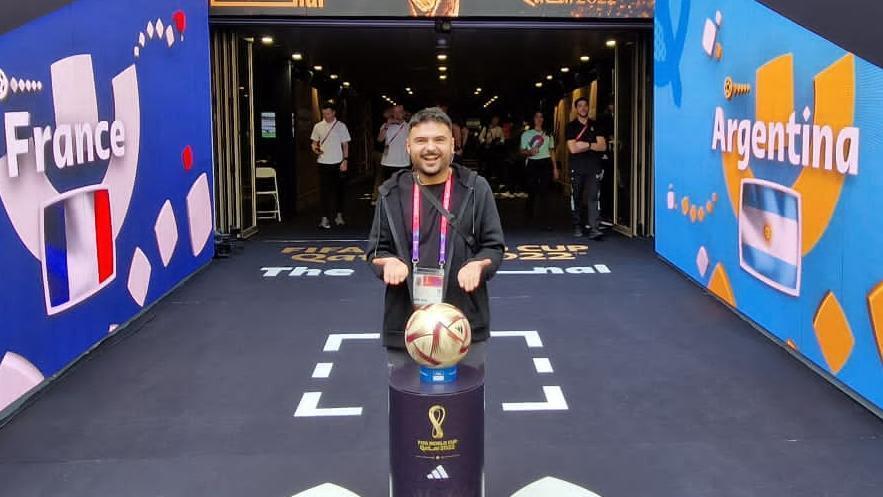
(415, 224)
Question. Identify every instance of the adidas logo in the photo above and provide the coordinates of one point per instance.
(438, 473)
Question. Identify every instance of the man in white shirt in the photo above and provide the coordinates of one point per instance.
(331, 143)
(394, 133)
(492, 141)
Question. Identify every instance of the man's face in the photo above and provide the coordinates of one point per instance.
(495, 121)
(431, 147)
(582, 108)
(398, 113)
(328, 114)
(538, 120)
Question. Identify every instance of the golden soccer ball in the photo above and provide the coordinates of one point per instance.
(438, 335)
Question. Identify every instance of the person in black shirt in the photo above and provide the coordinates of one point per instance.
(474, 236)
(586, 143)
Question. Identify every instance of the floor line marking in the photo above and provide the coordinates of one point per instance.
(602, 268)
(555, 401)
(531, 337)
(323, 370)
(543, 365)
(308, 407)
(332, 344)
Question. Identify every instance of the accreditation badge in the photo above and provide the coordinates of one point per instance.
(428, 286)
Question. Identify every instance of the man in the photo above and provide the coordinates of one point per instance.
(585, 144)
(331, 143)
(542, 168)
(460, 132)
(492, 142)
(473, 238)
(394, 134)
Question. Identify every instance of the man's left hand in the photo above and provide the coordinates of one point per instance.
(469, 276)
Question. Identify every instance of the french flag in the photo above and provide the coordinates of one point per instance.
(770, 234)
(78, 248)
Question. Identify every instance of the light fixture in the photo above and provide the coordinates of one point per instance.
(538, 84)
(297, 56)
(267, 40)
(565, 69)
(584, 58)
(408, 89)
(611, 43)
(478, 90)
(442, 77)
(442, 56)
(346, 84)
(333, 76)
(549, 77)
(317, 68)
(443, 68)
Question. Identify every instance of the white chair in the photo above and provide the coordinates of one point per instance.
(268, 173)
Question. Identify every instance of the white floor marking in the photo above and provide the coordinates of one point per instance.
(548, 487)
(543, 365)
(326, 490)
(555, 401)
(323, 370)
(531, 336)
(335, 339)
(602, 268)
(308, 407)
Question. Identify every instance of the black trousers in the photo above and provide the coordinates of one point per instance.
(538, 182)
(584, 184)
(332, 189)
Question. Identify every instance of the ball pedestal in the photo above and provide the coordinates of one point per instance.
(436, 434)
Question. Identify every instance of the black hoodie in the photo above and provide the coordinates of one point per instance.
(479, 235)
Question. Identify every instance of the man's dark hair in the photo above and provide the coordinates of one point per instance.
(580, 99)
(433, 114)
(328, 105)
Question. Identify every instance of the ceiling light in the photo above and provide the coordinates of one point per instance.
(267, 40)
(297, 56)
(549, 77)
(538, 84)
(346, 84)
(408, 89)
(333, 76)
(317, 68)
(442, 68)
(611, 43)
(565, 69)
(442, 56)
(443, 76)
(478, 90)
(584, 58)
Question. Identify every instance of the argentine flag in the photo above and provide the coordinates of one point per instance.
(769, 234)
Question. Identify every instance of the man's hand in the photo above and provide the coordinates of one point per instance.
(534, 151)
(343, 166)
(395, 272)
(469, 276)
(317, 149)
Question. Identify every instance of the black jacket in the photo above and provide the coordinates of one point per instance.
(478, 221)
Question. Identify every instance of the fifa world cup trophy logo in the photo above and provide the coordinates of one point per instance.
(437, 418)
(434, 8)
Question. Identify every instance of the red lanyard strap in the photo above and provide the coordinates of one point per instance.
(580, 135)
(415, 223)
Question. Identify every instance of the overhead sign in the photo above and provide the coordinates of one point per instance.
(438, 8)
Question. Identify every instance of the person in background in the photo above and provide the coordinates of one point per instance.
(330, 142)
(585, 143)
(541, 169)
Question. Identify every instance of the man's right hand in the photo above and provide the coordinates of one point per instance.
(395, 272)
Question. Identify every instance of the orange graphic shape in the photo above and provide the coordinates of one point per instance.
(685, 205)
(833, 333)
(774, 95)
(835, 107)
(692, 213)
(791, 345)
(734, 177)
(720, 285)
(709, 207)
(875, 309)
